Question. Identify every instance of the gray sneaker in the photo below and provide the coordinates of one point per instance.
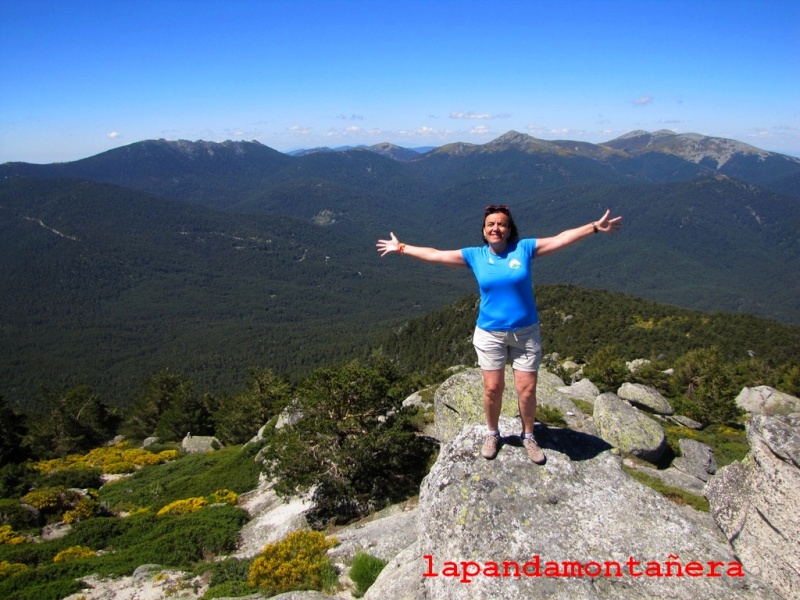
(490, 445)
(534, 451)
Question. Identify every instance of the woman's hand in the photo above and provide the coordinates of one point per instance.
(607, 225)
(386, 246)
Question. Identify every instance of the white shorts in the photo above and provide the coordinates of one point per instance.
(523, 347)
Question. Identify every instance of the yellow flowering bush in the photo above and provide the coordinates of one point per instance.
(224, 497)
(74, 553)
(119, 458)
(11, 537)
(85, 508)
(118, 468)
(298, 562)
(7, 569)
(167, 455)
(44, 499)
(183, 507)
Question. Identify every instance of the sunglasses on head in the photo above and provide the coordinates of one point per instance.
(493, 208)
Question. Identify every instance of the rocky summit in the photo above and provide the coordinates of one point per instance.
(577, 527)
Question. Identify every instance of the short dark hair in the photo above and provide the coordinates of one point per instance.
(513, 235)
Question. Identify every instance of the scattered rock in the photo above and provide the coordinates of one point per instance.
(686, 422)
(200, 444)
(635, 365)
(383, 537)
(645, 397)
(583, 390)
(416, 399)
(628, 429)
(696, 459)
(55, 531)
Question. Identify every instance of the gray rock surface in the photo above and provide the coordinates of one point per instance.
(645, 397)
(383, 537)
(696, 459)
(685, 421)
(273, 518)
(459, 402)
(401, 578)
(628, 429)
(199, 444)
(672, 477)
(756, 502)
(580, 507)
(583, 389)
(765, 400)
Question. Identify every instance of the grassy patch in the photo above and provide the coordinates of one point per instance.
(584, 406)
(675, 495)
(190, 476)
(550, 415)
(364, 571)
(729, 444)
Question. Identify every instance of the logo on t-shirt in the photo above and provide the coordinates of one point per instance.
(514, 264)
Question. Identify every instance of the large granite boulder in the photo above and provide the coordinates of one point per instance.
(756, 502)
(200, 444)
(459, 402)
(765, 400)
(645, 397)
(577, 527)
(384, 537)
(582, 389)
(272, 518)
(628, 429)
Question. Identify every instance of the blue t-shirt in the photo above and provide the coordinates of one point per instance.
(506, 285)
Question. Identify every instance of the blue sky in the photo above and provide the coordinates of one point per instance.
(81, 77)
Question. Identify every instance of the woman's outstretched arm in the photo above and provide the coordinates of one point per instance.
(548, 245)
(449, 258)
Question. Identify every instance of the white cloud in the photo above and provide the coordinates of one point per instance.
(114, 135)
(643, 101)
(300, 130)
(480, 130)
(472, 115)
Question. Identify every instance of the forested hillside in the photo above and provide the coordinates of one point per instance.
(208, 258)
(579, 323)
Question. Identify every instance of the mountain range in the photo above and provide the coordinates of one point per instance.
(209, 257)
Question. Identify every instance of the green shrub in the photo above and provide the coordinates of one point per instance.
(81, 478)
(192, 475)
(20, 517)
(705, 387)
(230, 589)
(364, 571)
(15, 480)
(228, 578)
(355, 446)
(607, 369)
